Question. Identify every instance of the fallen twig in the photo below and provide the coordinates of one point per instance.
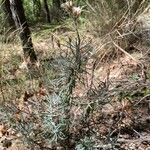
(142, 99)
(141, 139)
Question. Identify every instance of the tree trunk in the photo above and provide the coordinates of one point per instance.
(18, 14)
(47, 11)
(8, 14)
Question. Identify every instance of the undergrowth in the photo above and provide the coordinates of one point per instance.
(60, 104)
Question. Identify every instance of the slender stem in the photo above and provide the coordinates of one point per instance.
(78, 43)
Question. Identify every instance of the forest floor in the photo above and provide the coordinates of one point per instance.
(119, 89)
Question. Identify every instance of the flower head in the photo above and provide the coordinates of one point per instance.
(67, 5)
(76, 11)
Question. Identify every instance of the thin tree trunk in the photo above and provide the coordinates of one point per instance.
(8, 14)
(25, 35)
(47, 11)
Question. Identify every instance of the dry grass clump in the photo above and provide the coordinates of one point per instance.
(117, 25)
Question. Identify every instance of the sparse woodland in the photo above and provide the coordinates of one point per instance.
(74, 74)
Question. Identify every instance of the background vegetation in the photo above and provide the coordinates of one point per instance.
(75, 74)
